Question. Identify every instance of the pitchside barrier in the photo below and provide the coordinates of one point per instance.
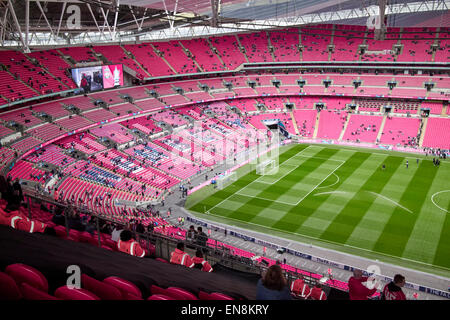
(313, 258)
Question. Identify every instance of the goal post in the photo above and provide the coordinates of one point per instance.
(225, 180)
(267, 167)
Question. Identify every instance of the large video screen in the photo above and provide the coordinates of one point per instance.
(98, 77)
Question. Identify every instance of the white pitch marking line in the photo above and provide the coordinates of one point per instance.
(332, 192)
(432, 200)
(291, 204)
(248, 184)
(320, 183)
(331, 184)
(398, 204)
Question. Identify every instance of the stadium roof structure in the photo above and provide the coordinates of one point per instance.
(26, 24)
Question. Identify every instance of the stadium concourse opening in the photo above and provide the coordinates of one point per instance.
(158, 161)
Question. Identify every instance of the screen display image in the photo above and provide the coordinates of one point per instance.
(98, 77)
(112, 76)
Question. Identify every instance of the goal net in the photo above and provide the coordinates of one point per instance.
(267, 167)
(225, 180)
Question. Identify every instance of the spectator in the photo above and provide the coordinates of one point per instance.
(58, 218)
(393, 290)
(75, 222)
(317, 292)
(180, 257)
(150, 227)
(273, 285)
(201, 263)
(300, 289)
(140, 227)
(356, 289)
(128, 245)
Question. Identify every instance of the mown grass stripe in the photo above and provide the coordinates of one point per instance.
(377, 216)
(442, 255)
(349, 217)
(397, 231)
(241, 183)
(295, 217)
(249, 210)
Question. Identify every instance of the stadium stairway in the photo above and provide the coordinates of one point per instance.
(380, 132)
(345, 127)
(422, 132)
(316, 125)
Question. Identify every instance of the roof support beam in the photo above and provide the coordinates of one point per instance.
(48, 24)
(16, 22)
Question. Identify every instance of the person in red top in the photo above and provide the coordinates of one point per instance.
(393, 290)
(356, 289)
(17, 220)
(128, 245)
(201, 263)
(317, 292)
(300, 289)
(181, 257)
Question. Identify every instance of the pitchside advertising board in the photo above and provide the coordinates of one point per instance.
(98, 77)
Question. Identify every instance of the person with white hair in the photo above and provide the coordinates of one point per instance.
(356, 289)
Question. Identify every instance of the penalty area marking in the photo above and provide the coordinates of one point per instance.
(331, 184)
(432, 200)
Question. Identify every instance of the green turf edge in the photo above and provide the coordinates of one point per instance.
(397, 261)
(207, 191)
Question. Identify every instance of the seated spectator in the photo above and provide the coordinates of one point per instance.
(201, 263)
(393, 290)
(59, 218)
(75, 222)
(128, 245)
(356, 289)
(317, 292)
(273, 285)
(300, 289)
(181, 257)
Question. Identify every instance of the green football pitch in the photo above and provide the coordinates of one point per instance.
(341, 198)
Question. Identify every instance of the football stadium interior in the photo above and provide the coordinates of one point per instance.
(309, 135)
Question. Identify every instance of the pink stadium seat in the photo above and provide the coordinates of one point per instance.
(180, 294)
(61, 232)
(128, 289)
(101, 289)
(8, 288)
(160, 297)
(67, 293)
(161, 260)
(213, 296)
(22, 273)
(176, 293)
(31, 293)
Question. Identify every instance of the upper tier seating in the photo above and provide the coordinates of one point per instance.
(35, 77)
(149, 60)
(175, 56)
(228, 49)
(203, 54)
(79, 54)
(54, 63)
(285, 44)
(256, 46)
